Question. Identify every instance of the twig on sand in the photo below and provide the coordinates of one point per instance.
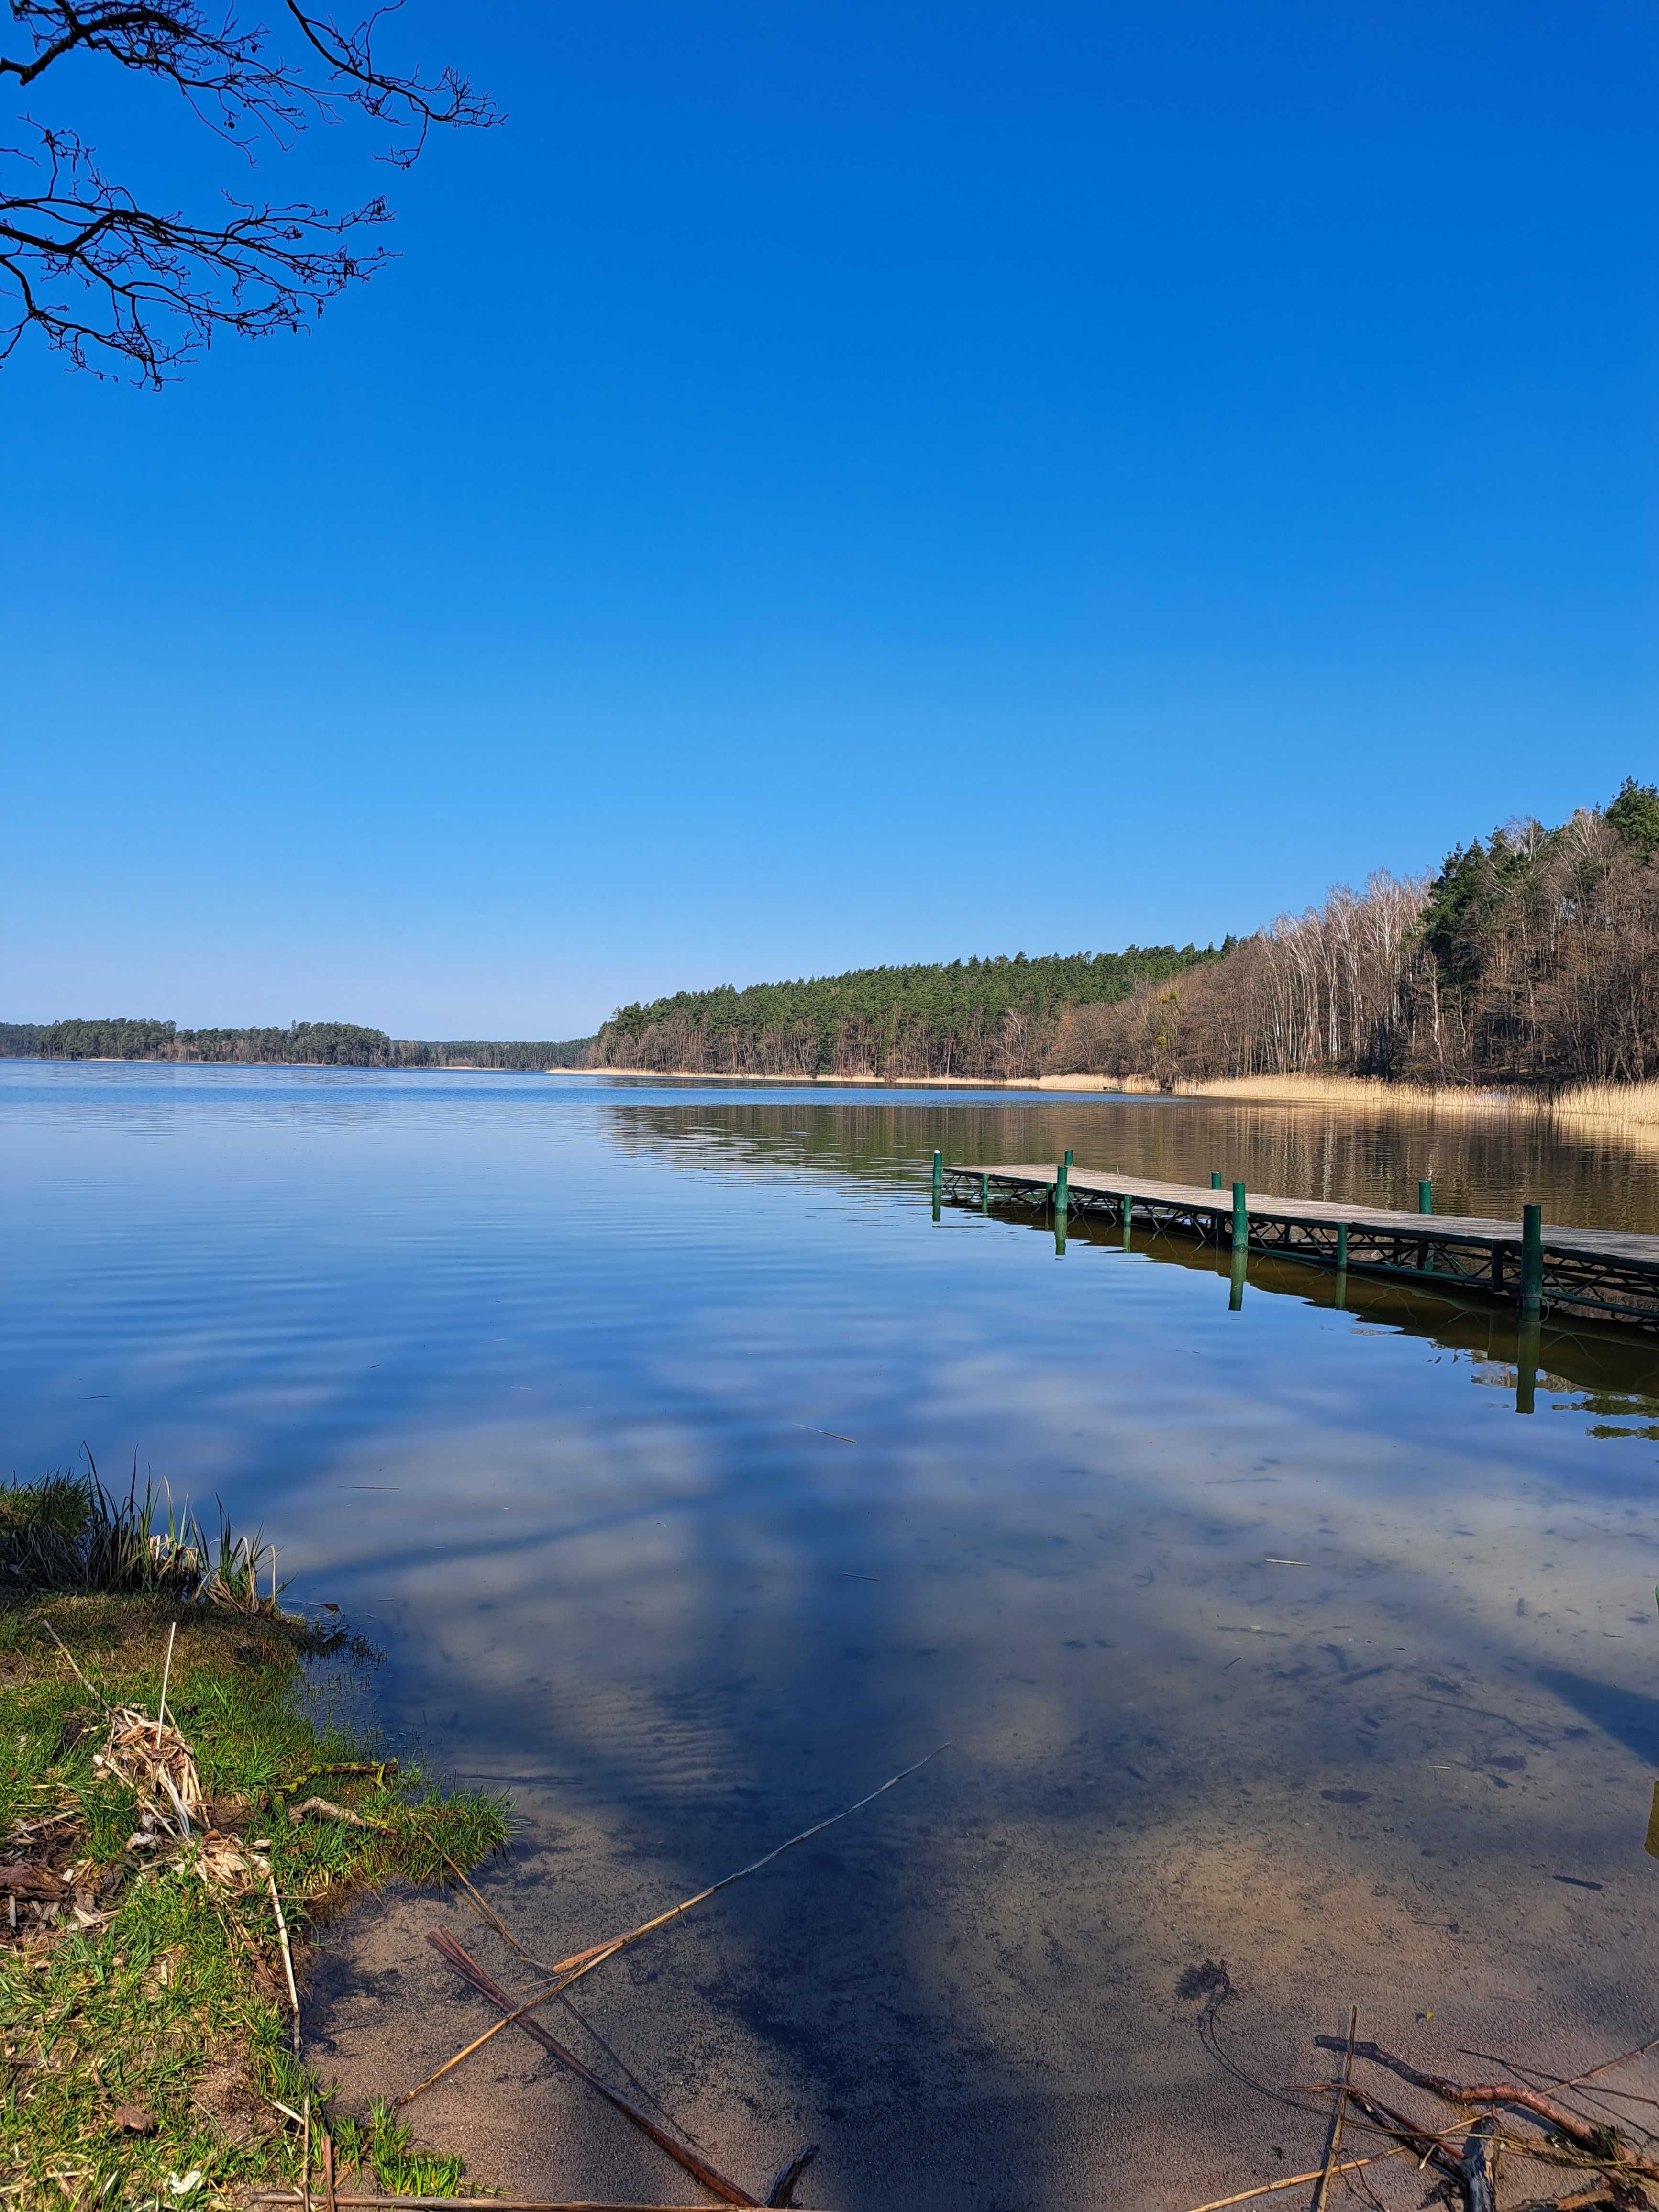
(1333, 2143)
(572, 1969)
(1479, 2164)
(711, 2178)
(1573, 2125)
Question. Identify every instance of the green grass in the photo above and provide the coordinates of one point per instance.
(176, 2003)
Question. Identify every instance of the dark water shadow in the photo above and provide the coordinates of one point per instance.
(1627, 1716)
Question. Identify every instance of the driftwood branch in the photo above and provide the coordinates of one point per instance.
(683, 2154)
(1572, 2125)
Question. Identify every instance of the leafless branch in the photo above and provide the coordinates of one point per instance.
(114, 285)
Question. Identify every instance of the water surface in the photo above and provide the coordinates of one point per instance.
(693, 1479)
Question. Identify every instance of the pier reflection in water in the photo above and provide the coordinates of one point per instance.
(1268, 1634)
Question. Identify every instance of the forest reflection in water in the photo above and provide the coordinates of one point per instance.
(1477, 1166)
(1482, 1164)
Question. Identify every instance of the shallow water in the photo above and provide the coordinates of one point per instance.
(694, 1479)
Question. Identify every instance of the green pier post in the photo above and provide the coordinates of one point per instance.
(1426, 1195)
(939, 1181)
(1527, 1352)
(1341, 1263)
(1128, 1221)
(1240, 1248)
(1062, 1198)
(1215, 1178)
(1531, 1258)
(985, 1193)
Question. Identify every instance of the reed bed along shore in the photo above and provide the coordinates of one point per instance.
(1632, 1107)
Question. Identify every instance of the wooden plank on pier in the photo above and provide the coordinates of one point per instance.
(1442, 1228)
(1611, 1273)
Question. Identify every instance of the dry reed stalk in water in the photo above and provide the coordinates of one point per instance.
(1362, 1091)
(583, 1962)
(1629, 1104)
(1335, 2143)
(1268, 2188)
(698, 2168)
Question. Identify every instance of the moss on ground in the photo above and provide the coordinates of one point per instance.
(144, 2025)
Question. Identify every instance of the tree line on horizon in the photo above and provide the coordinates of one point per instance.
(1528, 957)
(308, 1044)
(978, 1019)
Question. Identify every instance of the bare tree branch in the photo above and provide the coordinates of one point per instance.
(113, 285)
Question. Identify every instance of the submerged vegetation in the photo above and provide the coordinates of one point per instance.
(164, 1850)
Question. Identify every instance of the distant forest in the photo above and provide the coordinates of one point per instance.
(309, 1044)
(1529, 957)
(978, 1019)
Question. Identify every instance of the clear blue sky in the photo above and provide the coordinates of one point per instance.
(827, 485)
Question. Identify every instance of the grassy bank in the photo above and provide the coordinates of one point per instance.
(147, 2027)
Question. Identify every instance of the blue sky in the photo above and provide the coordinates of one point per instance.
(834, 484)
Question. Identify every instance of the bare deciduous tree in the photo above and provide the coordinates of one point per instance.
(117, 286)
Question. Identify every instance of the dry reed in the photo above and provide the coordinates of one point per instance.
(1625, 1106)
(1368, 1093)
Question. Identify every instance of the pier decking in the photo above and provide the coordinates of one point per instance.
(1610, 1273)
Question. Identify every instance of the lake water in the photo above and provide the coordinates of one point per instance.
(692, 1481)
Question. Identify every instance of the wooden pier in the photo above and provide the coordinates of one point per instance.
(1609, 1273)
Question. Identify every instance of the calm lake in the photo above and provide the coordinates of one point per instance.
(692, 1481)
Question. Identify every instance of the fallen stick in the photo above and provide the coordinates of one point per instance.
(1427, 2149)
(1570, 2124)
(583, 1962)
(69, 1655)
(711, 2178)
(1334, 2144)
(1480, 2167)
(330, 1811)
(288, 1960)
